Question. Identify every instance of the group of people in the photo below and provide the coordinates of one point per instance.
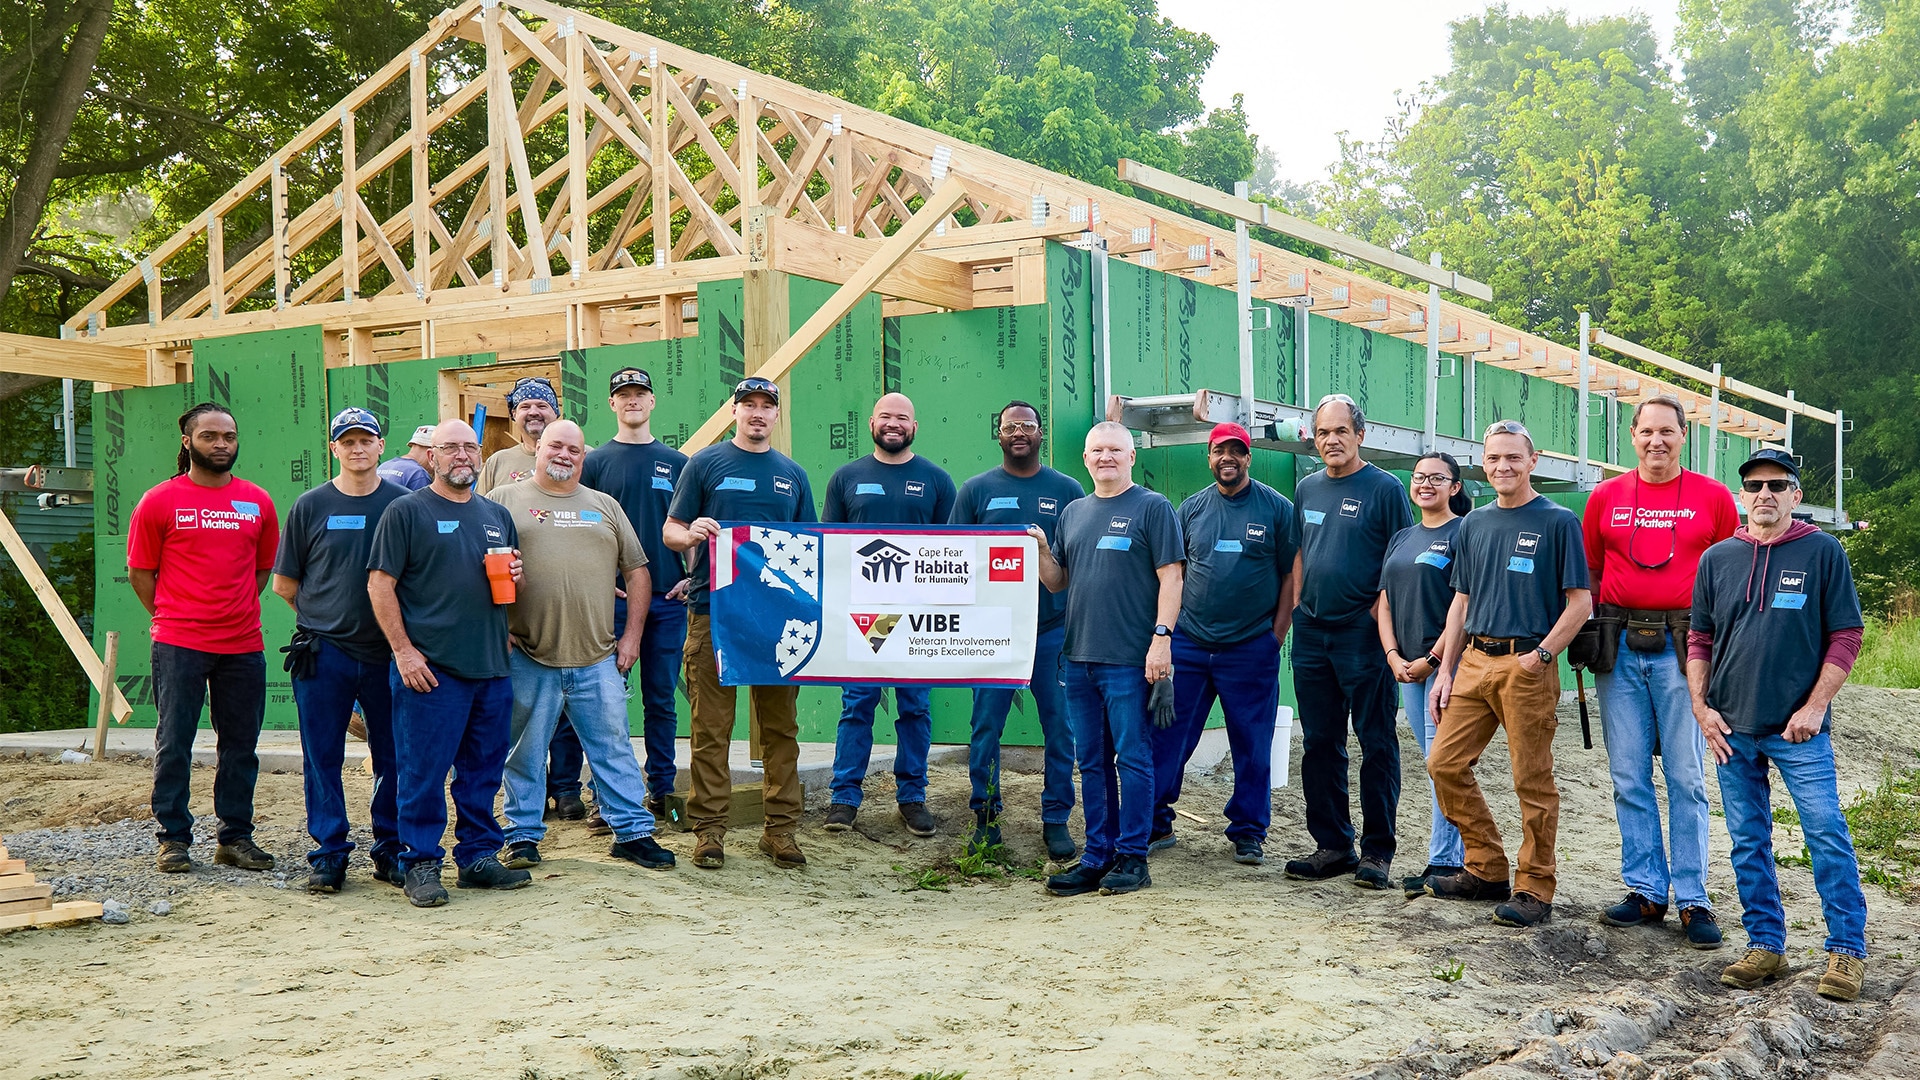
(485, 619)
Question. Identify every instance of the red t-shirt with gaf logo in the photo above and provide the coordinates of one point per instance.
(207, 543)
(1644, 541)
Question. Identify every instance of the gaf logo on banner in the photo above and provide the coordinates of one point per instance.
(943, 606)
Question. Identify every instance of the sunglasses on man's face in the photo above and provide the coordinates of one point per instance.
(1776, 485)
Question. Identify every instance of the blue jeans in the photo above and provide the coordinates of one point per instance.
(990, 707)
(658, 670)
(183, 680)
(326, 702)
(1808, 771)
(595, 697)
(1444, 846)
(461, 724)
(1340, 669)
(853, 745)
(1245, 679)
(1108, 706)
(1642, 700)
(565, 759)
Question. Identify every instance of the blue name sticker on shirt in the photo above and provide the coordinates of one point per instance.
(869, 489)
(1004, 502)
(250, 508)
(736, 483)
(1520, 564)
(1315, 517)
(1791, 601)
(1226, 545)
(1433, 558)
(590, 515)
(1116, 543)
(448, 526)
(661, 483)
(346, 521)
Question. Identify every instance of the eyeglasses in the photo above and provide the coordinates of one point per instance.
(1776, 485)
(457, 447)
(1341, 398)
(1438, 479)
(1019, 427)
(1507, 427)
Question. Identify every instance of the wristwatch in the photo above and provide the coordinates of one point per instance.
(1162, 630)
(1433, 661)
(1545, 656)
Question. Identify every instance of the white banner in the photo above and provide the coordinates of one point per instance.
(855, 604)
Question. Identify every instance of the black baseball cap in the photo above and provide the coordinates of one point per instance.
(630, 376)
(754, 384)
(1770, 456)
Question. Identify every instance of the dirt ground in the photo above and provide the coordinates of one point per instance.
(602, 970)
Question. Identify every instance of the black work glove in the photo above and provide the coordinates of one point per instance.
(1160, 703)
(303, 654)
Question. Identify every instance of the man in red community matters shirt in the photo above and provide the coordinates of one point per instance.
(1645, 532)
(198, 554)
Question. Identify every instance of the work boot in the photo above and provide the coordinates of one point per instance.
(644, 852)
(386, 869)
(1703, 930)
(1757, 967)
(486, 872)
(1060, 845)
(1634, 911)
(1249, 853)
(840, 817)
(328, 874)
(656, 805)
(918, 821)
(173, 858)
(423, 885)
(1417, 885)
(986, 831)
(1129, 874)
(521, 855)
(1161, 841)
(1465, 886)
(1843, 977)
(243, 853)
(1078, 881)
(597, 825)
(569, 807)
(781, 848)
(1525, 909)
(1372, 874)
(1321, 865)
(709, 850)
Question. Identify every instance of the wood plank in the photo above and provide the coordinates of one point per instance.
(70, 911)
(422, 185)
(79, 358)
(802, 249)
(499, 99)
(348, 198)
(26, 894)
(13, 871)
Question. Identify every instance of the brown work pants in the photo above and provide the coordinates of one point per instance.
(1495, 692)
(711, 789)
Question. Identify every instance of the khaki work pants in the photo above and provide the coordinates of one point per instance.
(1492, 692)
(711, 789)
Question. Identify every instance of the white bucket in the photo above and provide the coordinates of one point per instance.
(1282, 746)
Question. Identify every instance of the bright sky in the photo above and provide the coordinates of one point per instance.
(1312, 70)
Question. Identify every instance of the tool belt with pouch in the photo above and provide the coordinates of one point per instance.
(1597, 646)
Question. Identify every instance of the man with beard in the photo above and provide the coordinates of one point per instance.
(531, 405)
(891, 487)
(451, 679)
(338, 655)
(1234, 611)
(742, 479)
(1023, 492)
(199, 548)
(566, 654)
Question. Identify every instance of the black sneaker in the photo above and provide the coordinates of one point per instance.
(1635, 910)
(1129, 874)
(1417, 884)
(1161, 841)
(1372, 874)
(521, 855)
(173, 858)
(1078, 881)
(569, 807)
(423, 885)
(840, 817)
(387, 870)
(1248, 853)
(918, 821)
(1060, 845)
(986, 831)
(329, 874)
(1465, 886)
(645, 852)
(243, 853)
(1524, 909)
(486, 872)
(1703, 930)
(1321, 865)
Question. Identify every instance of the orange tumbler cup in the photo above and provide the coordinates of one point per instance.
(498, 576)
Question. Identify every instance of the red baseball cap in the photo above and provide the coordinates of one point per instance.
(1222, 432)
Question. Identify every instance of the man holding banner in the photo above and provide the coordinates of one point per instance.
(891, 486)
(743, 479)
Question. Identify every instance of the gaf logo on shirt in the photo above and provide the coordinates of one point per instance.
(1350, 508)
(186, 519)
(494, 536)
(1622, 517)
(1047, 506)
(1006, 564)
(1257, 534)
(781, 484)
(1792, 590)
(1119, 524)
(916, 488)
(1527, 544)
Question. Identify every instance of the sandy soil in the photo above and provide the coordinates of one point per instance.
(603, 970)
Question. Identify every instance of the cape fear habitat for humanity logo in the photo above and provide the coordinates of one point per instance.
(884, 561)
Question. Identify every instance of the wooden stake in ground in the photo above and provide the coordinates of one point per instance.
(110, 667)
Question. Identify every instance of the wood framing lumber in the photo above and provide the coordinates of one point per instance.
(1643, 354)
(110, 668)
(24, 354)
(70, 911)
(829, 256)
(56, 609)
(13, 868)
(27, 894)
(890, 254)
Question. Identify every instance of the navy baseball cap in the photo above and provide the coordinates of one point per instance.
(1770, 456)
(355, 420)
(631, 376)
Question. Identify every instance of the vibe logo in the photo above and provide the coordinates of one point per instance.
(884, 562)
(874, 628)
(1006, 564)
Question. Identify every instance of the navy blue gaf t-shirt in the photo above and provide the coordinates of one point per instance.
(726, 483)
(997, 497)
(872, 492)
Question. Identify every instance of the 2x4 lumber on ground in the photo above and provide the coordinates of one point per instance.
(70, 911)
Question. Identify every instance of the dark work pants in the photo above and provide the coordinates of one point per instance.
(462, 726)
(1245, 680)
(183, 681)
(325, 700)
(1339, 670)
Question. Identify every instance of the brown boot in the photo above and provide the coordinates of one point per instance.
(709, 852)
(782, 849)
(1843, 977)
(1758, 966)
